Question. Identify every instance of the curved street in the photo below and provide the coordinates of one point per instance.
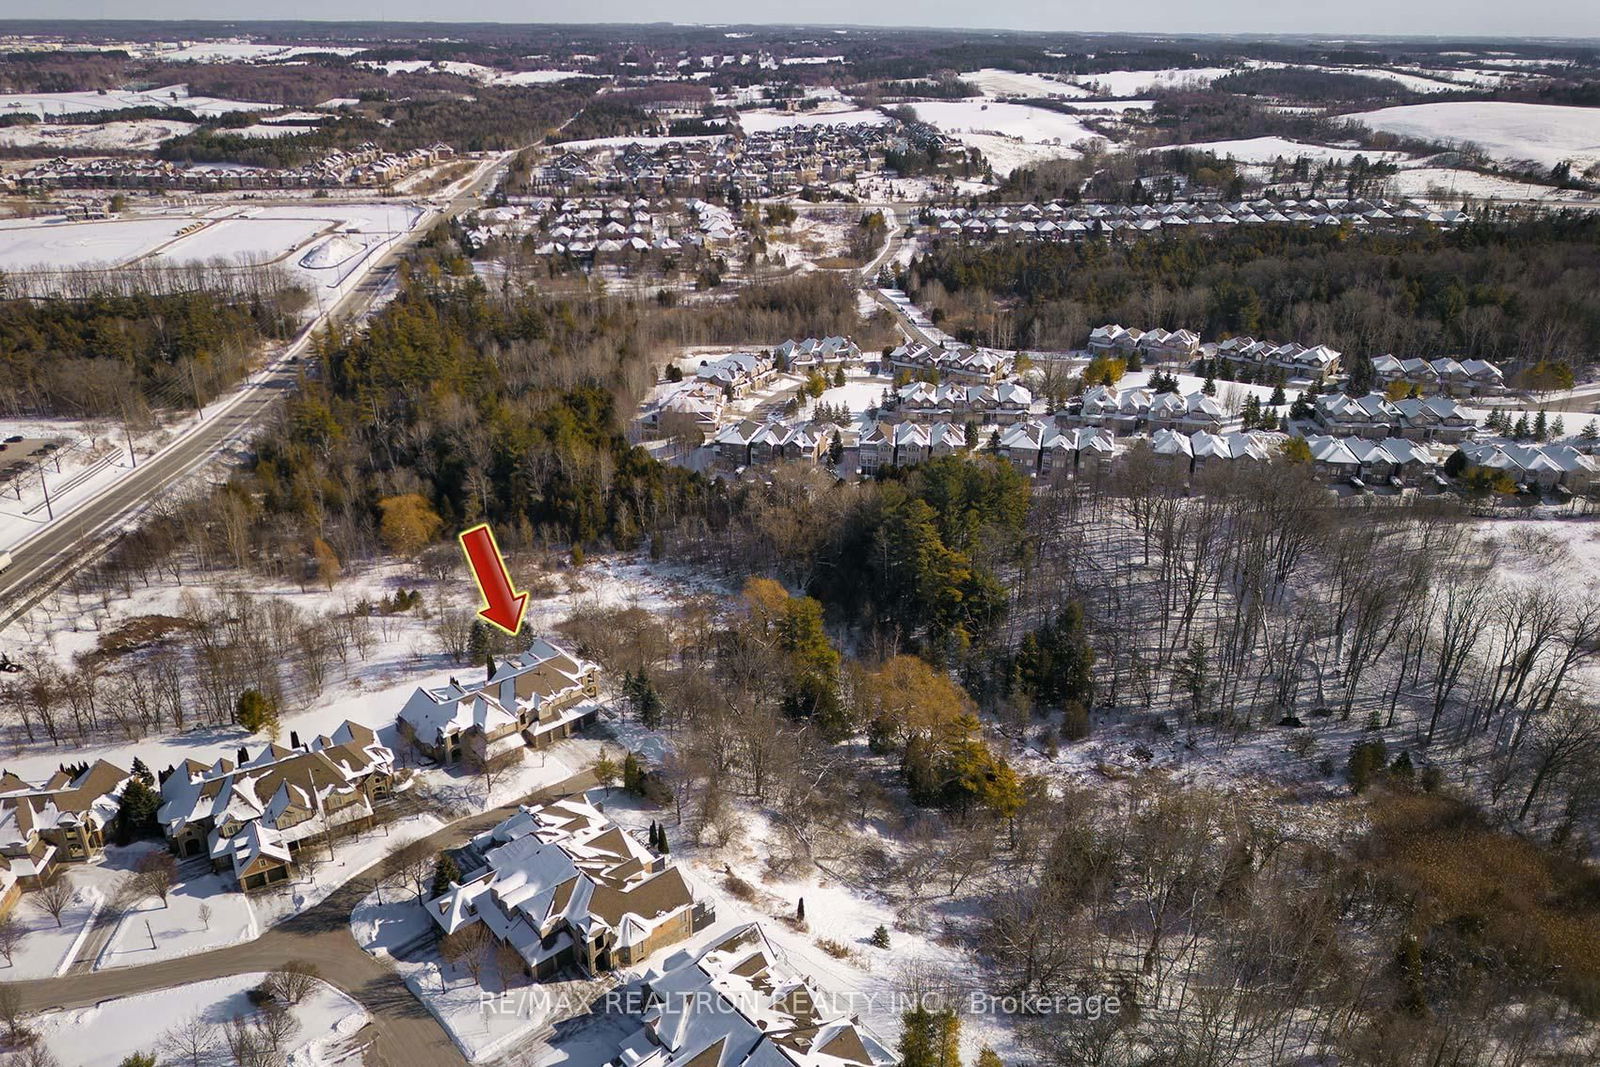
(402, 1032)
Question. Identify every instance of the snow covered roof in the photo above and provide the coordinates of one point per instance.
(738, 1004)
(563, 867)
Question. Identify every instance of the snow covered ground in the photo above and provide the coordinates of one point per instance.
(1008, 135)
(138, 135)
(244, 234)
(1134, 82)
(102, 1036)
(1450, 185)
(150, 930)
(995, 83)
(1268, 149)
(1546, 134)
(249, 52)
(44, 105)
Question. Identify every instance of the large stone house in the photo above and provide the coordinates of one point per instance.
(63, 820)
(254, 818)
(532, 700)
(565, 887)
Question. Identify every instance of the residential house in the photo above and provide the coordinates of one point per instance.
(254, 818)
(564, 886)
(63, 820)
(532, 699)
(739, 1003)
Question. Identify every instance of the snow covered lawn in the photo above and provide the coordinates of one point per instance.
(102, 1036)
(48, 949)
(149, 931)
(1009, 135)
(1546, 134)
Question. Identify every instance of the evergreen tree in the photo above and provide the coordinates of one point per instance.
(918, 1039)
(836, 449)
(1362, 376)
(1278, 398)
(632, 774)
(800, 910)
(445, 872)
(142, 772)
(661, 841)
(1541, 427)
(1520, 430)
(1209, 388)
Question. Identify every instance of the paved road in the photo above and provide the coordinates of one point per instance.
(47, 558)
(402, 1033)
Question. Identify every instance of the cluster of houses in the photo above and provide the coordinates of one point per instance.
(952, 360)
(253, 818)
(582, 227)
(1133, 410)
(1544, 468)
(1252, 359)
(565, 887)
(1475, 377)
(999, 403)
(366, 165)
(757, 164)
(250, 817)
(1060, 221)
(1434, 418)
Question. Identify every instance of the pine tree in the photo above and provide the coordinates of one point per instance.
(444, 873)
(800, 910)
(1520, 430)
(632, 774)
(141, 772)
(1209, 388)
(1558, 427)
(1278, 398)
(661, 841)
(1541, 426)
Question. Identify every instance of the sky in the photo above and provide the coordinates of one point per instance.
(1447, 18)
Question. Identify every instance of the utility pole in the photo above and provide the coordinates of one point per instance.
(49, 511)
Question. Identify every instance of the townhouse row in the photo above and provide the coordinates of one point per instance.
(1292, 360)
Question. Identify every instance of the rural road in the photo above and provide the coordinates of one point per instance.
(402, 1033)
(48, 557)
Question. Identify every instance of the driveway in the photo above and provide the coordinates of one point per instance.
(403, 1033)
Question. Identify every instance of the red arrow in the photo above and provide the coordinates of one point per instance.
(503, 605)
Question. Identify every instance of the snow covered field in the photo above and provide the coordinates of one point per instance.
(1546, 134)
(1449, 185)
(1009, 135)
(138, 135)
(102, 1036)
(45, 105)
(994, 83)
(264, 234)
(248, 52)
(1268, 149)
(1134, 82)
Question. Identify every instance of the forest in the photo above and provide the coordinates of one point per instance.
(122, 351)
(493, 119)
(1504, 292)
